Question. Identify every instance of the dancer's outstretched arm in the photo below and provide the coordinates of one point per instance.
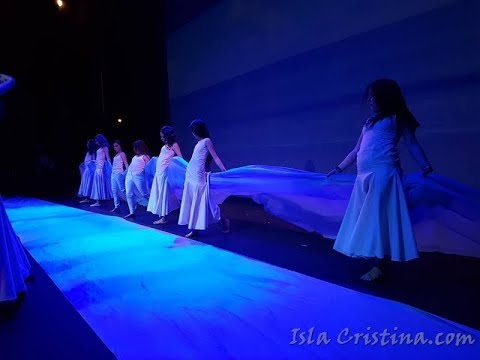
(177, 151)
(214, 155)
(349, 159)
(6, 84)
(416, 151)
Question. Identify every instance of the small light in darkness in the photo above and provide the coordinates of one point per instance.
(119, 120)
(60, 3)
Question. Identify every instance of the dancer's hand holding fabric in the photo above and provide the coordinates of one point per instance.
(215, 157)
(349, 159)
(335, 171)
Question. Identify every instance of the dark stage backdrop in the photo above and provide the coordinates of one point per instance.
(62, 59)
(281, 82)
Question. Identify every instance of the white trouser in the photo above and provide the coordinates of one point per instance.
(135, 186)
(118, 186)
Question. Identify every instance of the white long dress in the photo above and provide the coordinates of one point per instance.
(162, 200)
(87, 173)
(377, 221)
(197, 209)
(102, 189)
(14, 264)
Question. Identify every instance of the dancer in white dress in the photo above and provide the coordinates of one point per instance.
(120, 164)
(87, 172)
(197, 208)
(14, 264)
(162, 200)
(101, 189)
(377, 221)
(135, 183)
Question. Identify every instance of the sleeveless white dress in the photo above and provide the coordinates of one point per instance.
(162, 200)
(87, 172)
(14, 264)
(197, 209)
(101, 189)
(377, 221)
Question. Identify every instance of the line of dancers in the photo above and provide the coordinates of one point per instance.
(377, 222)
(102, 181)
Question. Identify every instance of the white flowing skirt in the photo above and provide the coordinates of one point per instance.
(197, 209)
(162, 200)
(102, 188)
(377, 220)
(14, 264)
(87, 173)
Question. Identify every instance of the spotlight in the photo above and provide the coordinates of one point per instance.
(119, 121)
(60, 3)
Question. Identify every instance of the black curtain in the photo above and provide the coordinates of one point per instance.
(77, 69)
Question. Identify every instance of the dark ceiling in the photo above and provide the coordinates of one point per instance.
(180, 12)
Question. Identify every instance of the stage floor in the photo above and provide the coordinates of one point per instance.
(149, 294)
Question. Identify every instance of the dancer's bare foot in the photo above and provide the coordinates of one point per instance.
(95, 204)
(192, 235)
(115, 209)
(162, 220)
(84, 201)
(129, 216)
(374, 274)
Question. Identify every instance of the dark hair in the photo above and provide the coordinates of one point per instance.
(390, 102)
(91, 146)
(169, 135)
(140, 147)
(119, 144)
(102, 140)
(199, 128)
